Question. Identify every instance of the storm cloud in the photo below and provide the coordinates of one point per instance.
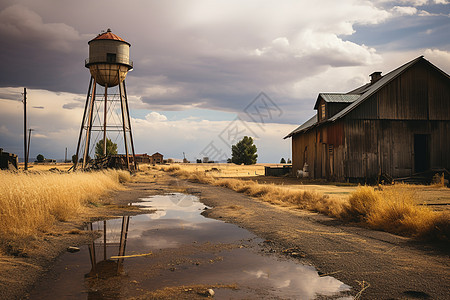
(212, 55)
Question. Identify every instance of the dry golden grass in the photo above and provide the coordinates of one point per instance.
(274, 194)
(393, 209)
(32, 202)
(32, 166)
(223, 170)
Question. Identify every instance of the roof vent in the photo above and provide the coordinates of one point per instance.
(374, 77)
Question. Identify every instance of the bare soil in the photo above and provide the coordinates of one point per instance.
(394, 267)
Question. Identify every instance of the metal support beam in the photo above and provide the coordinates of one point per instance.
(122, 106)
(82, 123)
(89, 126)
(129, 125)
(105, 115)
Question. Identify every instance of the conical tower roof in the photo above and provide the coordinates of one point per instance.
(108, 35)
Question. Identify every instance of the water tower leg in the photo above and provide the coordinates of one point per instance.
(122, 106)
(89, 127)
(123, 240)
(104, 120)
(82, 124)
(129, 124)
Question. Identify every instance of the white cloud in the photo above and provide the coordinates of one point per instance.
(54, 127)
(441, 58)
(404, 10)
(155, 117)
(441, 1)
(192, 136)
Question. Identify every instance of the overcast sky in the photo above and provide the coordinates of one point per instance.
(200, 66)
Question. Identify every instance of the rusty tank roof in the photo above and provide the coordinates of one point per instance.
(108, 35)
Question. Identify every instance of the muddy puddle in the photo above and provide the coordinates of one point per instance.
(173, 245)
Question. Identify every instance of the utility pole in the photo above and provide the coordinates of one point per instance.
(25, 127)
(65, 156)
(29, 140)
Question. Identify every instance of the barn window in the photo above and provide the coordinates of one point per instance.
(322, 109)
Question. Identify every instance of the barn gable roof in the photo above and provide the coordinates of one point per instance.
(360, 95)
(336, 98)
(311, 122)
(375, 87)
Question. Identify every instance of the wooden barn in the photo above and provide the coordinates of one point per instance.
(396, 125)
(156, 158)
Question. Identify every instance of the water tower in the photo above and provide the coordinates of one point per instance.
(106, 114)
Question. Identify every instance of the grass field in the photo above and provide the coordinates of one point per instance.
(46, 166)
(397, 209)
(31, 202)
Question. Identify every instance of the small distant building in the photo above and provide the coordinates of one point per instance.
(8, 161)
(143, 158)
(157, 158)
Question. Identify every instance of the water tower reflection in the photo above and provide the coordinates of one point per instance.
(110, 265)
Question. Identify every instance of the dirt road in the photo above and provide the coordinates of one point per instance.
(394, 267)
(388, 266)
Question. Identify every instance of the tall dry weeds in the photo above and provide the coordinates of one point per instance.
(393, 209)
(32, 202)
(267, 192)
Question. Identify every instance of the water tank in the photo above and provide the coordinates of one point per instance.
(108, 55)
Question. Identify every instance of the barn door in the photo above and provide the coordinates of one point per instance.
(421, 152)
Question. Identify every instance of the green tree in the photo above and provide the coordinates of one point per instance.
(282, 161)
(111, 148)
(244, 152)
(74, 158)
(289, 161)
(40, 158)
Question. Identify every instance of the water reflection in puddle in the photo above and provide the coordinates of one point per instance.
(176, 246)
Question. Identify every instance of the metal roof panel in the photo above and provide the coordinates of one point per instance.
(305, 126)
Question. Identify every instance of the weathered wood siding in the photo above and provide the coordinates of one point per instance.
(420, 93)
(300, 144)
(323, 149)
(335, 107)
(387, 146)
(438, 96)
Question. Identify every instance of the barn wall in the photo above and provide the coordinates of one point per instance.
(420, 93)
(361, 159)
(335, 107)
(300, 142)
(439, 96)
(387, 146)
(324, 151)
(368, 110)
